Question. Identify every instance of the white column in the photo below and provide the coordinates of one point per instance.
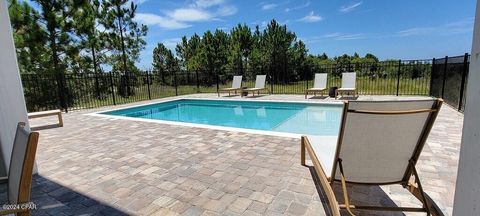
(467, 192)
(12, 102)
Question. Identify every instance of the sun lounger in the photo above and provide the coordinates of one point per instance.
(319, 85)
(236, 86)
(379, 143)
(259, 85)
(348, 84)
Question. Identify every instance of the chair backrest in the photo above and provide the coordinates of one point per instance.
(237, 82)
(21, 165)
(349, 79)
(320, 80)
(260, 81)
(378, 139)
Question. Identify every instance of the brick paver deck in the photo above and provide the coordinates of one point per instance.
(96, 165)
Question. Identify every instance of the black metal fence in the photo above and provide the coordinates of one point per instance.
(449, 80)
(74, 91)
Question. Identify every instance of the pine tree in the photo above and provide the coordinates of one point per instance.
(125, 39)
(164, 63)
(29, 36)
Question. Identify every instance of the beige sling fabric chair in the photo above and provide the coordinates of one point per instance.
(379, 143)
(319, 85)
(259, 85)
(348, 84)
(20, 171)
(236, 86)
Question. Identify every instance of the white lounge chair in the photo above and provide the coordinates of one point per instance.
(319, 85)
(348, 84)
(379, 143)
(259, 85)
(236, 86)
(20, 172)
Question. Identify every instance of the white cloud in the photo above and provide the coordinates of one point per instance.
(227, 10)
(269, 6)
(311, 17)
(416, 31)
(183, 17)
(350, 7)
(342, 36)
(138, 2)
(332, 35)
(350, 37)
(171, 43)
(461, 23)
(163, 22)
(298, 7)
(189, 15)
(207, 3)
(458, 27)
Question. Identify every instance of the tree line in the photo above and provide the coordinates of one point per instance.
(275, 51)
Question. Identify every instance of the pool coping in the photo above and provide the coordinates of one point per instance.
(213, 127)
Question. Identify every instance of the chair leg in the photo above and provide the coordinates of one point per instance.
(60, 120)
(418, 192)
(344, 189)
(302, 151)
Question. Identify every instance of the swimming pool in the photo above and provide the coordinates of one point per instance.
(286, 117)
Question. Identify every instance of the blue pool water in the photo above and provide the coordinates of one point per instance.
(298, 118)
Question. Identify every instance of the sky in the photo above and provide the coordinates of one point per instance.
(408, 29)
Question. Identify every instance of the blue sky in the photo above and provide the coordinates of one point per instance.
(387, 28)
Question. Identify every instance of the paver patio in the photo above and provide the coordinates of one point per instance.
(97, 165)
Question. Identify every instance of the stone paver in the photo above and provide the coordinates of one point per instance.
(104, 166)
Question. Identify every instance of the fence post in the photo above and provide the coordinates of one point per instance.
(218, 80)
(305, 77)
(398, 75)
(431, 76)
(175, 82)
(272, 79)
(444, 75)
(61, 91)
(198, 83)
(112, 88)
(462, 85)
(148, 85)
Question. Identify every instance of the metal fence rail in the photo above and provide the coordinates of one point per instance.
(74, 91)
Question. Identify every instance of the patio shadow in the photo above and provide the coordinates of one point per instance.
(256, 96)
(383, 200)
(347, 97)
(54, 199)
(229, 96)
(319, 97)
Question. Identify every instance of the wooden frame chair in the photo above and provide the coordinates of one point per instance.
(349, 80)
(259, 85)
(319, 85)
(379, 144)
(236, 86)
(20, 172)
